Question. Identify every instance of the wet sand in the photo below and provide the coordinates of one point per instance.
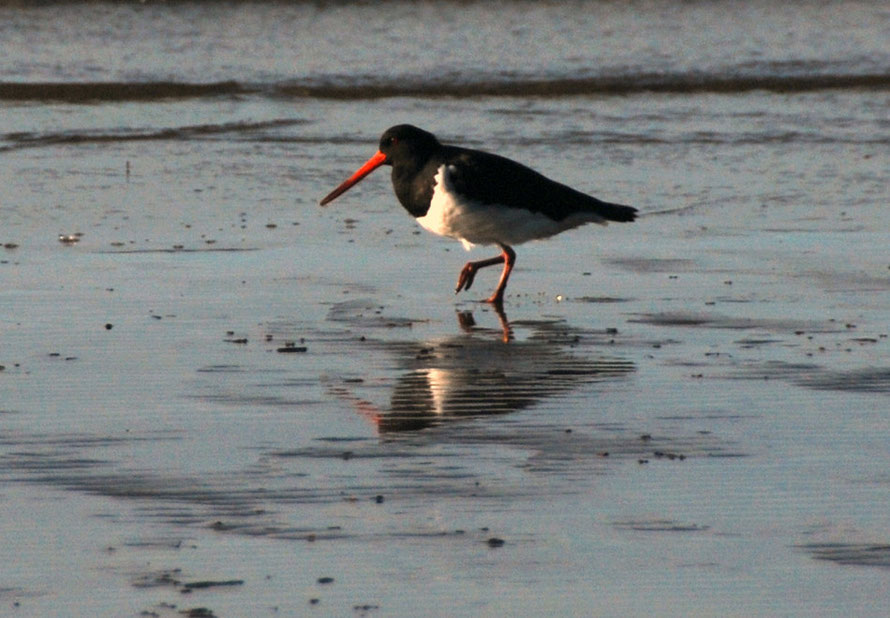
(274, 412)
(219, 398)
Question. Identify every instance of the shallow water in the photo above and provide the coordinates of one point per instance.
(215, 381)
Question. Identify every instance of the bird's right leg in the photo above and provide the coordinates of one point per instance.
(468, 273)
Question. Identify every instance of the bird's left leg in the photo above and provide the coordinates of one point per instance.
(468, 272)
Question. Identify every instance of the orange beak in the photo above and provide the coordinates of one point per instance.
(372, 164)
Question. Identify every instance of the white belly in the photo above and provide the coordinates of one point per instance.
(474, 223)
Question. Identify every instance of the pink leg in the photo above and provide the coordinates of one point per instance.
(468, 273)
(509, 258)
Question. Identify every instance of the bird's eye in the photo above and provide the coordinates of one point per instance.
(393, 140)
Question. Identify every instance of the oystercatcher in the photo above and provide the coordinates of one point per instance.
(479, 198)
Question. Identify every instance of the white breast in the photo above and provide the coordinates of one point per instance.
(475, 223)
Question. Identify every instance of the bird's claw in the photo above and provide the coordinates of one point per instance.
(465, 279)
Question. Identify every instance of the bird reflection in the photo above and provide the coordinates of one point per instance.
(467, 322)
(477, 374)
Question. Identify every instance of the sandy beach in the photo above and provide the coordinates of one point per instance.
(220, 399)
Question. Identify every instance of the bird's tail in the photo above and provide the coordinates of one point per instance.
(616, 212)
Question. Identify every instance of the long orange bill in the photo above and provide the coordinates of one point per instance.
(373, 163)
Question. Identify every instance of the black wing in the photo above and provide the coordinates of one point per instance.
(492, 179)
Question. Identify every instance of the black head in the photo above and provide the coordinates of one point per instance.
(403, 146)
(406, 143)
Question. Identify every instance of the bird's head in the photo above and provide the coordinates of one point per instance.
(401, 144)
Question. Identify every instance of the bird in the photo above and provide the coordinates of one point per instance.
(479, 198)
